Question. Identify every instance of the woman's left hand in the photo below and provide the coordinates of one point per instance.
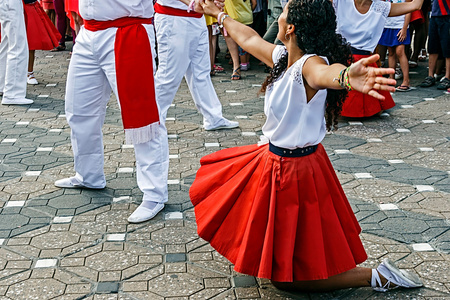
(401, 35)
(367, 79)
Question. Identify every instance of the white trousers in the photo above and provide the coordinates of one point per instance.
(183, 50)
(13, 50)
(91, 77)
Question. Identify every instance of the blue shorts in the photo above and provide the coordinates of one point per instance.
(389, 38)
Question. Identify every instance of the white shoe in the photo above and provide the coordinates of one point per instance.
(142, 214)
(227, 124)
(398, 74)
(69, 183)
(400, 278)
(73, 183)
(16, 101)
(31, 79)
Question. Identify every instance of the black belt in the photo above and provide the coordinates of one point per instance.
(292, 152)
(360, 52)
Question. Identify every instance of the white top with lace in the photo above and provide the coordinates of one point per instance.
(362, 31)
(292, 122)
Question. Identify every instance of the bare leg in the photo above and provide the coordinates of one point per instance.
(432, 60)
(31, 61)
(234, 52)
(78, 21)
(400, 51)
(212, 46)
(357, 277)
(447, 68)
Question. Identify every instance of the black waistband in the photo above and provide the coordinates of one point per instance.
(292, 153)
(360, 52)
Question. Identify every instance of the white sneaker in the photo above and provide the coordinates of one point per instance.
(31, 79)
(16, 101)
(398, 74)
(227, 124)
(142, 214)
(400, 278)
(69, 183)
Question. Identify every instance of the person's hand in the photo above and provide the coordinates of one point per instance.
(209, 7)
(401, 35)
(367, 80)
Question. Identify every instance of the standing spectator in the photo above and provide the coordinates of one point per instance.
(13, 53)
(61, 24)
(439, 43)
(41, 34)
(241, 11)
(395, 36)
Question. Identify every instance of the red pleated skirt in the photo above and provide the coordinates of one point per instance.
(285, 219)
(358, 105)
(41, 33)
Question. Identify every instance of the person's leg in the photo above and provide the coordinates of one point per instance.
(234, 52)
(31, 79)
(199, 81)
(382, 50)
(385, 277)
(420, 36)
(152, 158)
(14, 54)
(392, 59)
(357, 277)
(403, 59)
(212, 48)
(78, 21)
(432, 63)
(31, 61)
(61, 22)
(172, 34)
(87, 94)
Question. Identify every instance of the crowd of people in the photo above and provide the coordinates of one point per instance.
(276, 210)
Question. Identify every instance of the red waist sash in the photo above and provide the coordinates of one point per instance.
(134, 75)
(167, 10)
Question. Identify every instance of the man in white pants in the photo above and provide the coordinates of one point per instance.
(183, 50)
(114, 30)
(13, 53)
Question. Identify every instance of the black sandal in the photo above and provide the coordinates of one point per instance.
(236, 74)
(59, 48)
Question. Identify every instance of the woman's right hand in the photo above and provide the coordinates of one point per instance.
(210, 7)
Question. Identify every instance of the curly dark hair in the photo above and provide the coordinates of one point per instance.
(315, 29)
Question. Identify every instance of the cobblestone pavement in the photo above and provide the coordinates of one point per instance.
(76, 244)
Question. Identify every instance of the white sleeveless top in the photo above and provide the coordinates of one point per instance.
(292, 122)
(362, 31)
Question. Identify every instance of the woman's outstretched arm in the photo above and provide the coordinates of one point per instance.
(398, 9)
(243, 35)
(361, 76)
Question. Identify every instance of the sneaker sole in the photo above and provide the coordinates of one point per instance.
(222, 127)
(412, 279)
